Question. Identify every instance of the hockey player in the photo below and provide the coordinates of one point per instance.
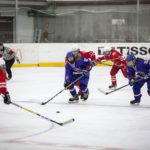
(9, 57)
(3, 87)
(87, 54)
(74, 68)
(84, 54)
(138, 72)
(119, 63)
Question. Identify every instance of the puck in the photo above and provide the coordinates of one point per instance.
(57, 111)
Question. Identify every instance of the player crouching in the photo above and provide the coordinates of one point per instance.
(77, 68)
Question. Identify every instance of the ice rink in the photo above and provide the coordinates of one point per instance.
(103, 122)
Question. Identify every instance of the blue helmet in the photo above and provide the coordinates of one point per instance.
(70, 57)
(70, 54)
(130, 57)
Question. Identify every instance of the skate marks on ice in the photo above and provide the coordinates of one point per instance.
(62, 146)
(24, 129)
(89, 104)
(23, 137)
(139, 106)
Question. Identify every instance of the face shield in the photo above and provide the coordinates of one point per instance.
(76, 52)
(131, 63)
(75, 49)
(71, 59)
(106, 52)
(130, 59)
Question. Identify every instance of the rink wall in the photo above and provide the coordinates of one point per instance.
(53, 54)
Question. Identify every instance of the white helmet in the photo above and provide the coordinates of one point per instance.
(75, 47)
(106, 50)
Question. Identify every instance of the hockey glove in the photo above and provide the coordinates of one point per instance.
(66, 84)
(85, 72)
(148, 92)
(3, 66)
(17, 59)
(98, 60)
(131, 82)
(7, 99)
(147, 76)
(94, 63)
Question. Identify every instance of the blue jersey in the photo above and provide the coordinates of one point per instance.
(72, 71)
(142, 68)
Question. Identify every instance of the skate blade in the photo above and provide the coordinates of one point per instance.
(73, 102)
(111, 89)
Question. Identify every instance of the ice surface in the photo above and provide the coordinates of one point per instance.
(103, 122)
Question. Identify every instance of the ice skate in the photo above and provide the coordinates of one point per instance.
(80, 94)
(74, 99)
(134, 102)
(8, 78)
(84, 96)
(112, 87)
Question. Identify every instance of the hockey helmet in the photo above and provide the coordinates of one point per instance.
(130, 59)
(75, 47)
(70, 57)
(107, 50)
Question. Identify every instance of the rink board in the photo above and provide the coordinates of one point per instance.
(53, 54)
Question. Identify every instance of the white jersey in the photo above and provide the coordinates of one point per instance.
(7, 53)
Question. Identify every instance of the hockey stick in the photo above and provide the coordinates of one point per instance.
(142, 78)
(106, 61)
(43, 103)
(103, 63)
(106, 93)
(59, 123)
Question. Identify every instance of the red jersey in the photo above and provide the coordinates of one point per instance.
(3, 88)
(114, 56)
(89, 55)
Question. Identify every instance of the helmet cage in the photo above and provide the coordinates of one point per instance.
(70, 59)
(131, 63)
(130, 59)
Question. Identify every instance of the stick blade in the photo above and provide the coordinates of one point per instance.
(43, 103)
(67, 121)
(100, 90)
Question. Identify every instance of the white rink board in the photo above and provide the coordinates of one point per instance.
(55, 52)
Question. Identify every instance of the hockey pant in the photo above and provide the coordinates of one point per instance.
(82, 85)
(9, 64)
(3, 88)
(137, 89)
(114, 71)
